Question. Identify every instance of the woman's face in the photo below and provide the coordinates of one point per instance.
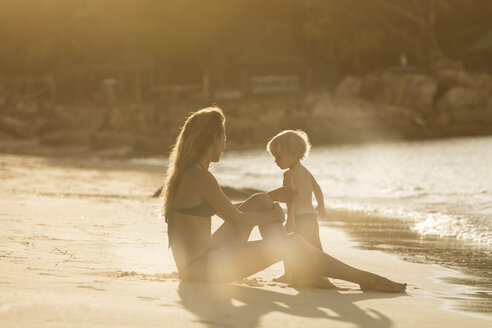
(219, 147)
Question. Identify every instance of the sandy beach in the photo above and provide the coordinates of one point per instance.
(81, 245)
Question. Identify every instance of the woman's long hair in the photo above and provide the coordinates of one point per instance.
(198, 133)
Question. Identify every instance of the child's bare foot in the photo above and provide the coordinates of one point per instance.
(283, 278)
(381, 284)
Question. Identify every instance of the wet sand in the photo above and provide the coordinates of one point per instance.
(81, 245)
(392, 236)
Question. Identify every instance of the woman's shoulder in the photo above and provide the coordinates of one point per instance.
(197, 174)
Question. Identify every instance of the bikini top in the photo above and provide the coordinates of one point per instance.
(204, 210)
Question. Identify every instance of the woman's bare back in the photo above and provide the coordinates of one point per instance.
(191, 233)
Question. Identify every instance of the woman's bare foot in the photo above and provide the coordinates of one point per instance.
(317, 282)
(283, 278)
(381, 284)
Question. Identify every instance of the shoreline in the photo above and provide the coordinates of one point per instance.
(389, 235)
(73, 254)
(33, 147)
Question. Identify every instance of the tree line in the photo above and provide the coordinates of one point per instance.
(334, 37)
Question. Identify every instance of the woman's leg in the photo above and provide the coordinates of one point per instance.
(227, 234)
(240, 261)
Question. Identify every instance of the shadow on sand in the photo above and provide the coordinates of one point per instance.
(240, 306)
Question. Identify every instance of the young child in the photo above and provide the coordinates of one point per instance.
(289, 148)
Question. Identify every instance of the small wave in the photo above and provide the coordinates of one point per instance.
(443, 225)
(471, 229)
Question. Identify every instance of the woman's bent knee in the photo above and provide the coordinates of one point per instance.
(259, 202)
(264, 199)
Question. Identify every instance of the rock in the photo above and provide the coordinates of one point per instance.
(400, 88)
(157, 193)
(419, 120)
(110, 139)
(489, 103)
(273, 119)
(447, 64)
(16, 127)
(482, 116)
(151, 145)
(457, 76)
(48, 126)
(250, 131)
(59, 120)
(349, 87)
(66, 138)
(322, 106)
(442, 119)
(458, 98)
(293, 121)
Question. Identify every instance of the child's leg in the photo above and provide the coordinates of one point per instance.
(307, 226)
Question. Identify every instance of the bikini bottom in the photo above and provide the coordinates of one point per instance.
(197, 270)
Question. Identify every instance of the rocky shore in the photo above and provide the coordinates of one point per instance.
(398, 103)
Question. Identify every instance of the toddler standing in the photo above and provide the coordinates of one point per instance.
(289, 148)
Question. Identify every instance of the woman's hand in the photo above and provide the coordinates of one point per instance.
(278, 213)
(284, 195)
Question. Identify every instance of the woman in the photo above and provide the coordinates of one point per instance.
(192, 196)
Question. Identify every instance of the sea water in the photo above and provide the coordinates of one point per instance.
(432, 201)
(444, 187)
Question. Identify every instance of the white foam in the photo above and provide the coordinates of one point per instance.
(443, 225)
(443, 186)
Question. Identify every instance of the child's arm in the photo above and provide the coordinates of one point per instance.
(290, 225)
(318, 194)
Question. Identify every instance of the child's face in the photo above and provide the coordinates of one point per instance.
(283, 160)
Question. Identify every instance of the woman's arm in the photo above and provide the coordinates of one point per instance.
(291, 206)
(318, 194)
(283, 195)
(210, 190)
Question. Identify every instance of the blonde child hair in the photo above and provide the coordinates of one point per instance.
(294, 142)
